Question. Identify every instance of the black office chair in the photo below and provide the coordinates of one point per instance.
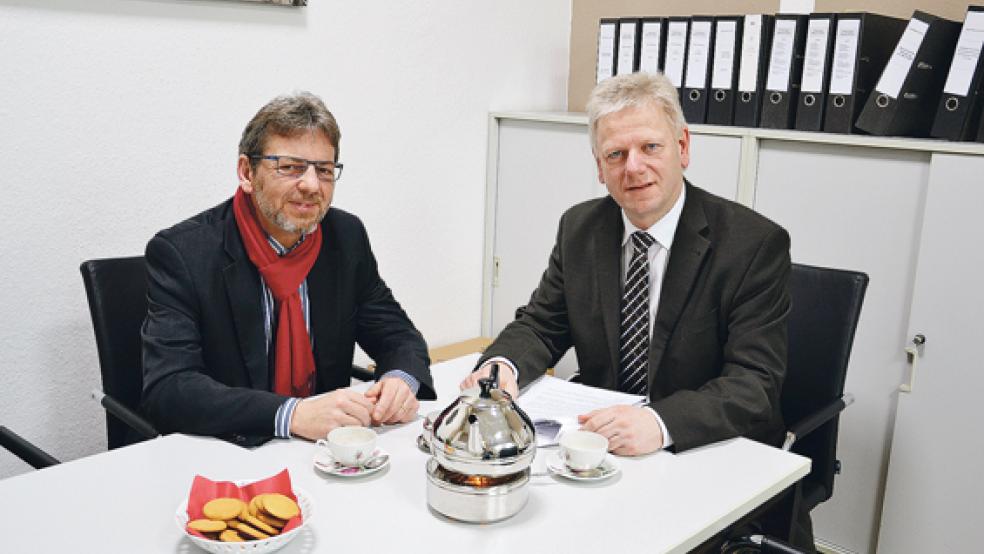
(117, 293)
(25, 450)
(826, 307)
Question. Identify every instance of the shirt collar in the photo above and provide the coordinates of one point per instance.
(663, 230)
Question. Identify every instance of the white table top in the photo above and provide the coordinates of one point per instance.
(125, 500)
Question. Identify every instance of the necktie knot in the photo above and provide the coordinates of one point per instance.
(642, 240)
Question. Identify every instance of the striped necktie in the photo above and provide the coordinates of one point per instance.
(634, 340)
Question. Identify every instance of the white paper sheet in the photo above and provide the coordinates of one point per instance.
(966, 55)
(899, 64)
(697, 55)
(554, 404)
(676, 47)
(815, 59)
(649, 47)
(781, 59)
(724, 55)
(845, 56)
(751, 45)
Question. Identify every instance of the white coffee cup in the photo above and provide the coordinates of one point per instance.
(583, 450)
(350, 445)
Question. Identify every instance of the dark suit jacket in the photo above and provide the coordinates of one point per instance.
(719, 339)
(206, 368)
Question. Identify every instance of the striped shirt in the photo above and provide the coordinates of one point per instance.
(281, 423)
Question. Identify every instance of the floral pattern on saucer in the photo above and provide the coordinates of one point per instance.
(325, 463)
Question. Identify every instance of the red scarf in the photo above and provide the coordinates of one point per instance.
(293, 374)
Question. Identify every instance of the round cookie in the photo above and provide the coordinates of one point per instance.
(257, 523)
(280, 506)
(230, 536)
(207, 525)
(251, 531)
(223, 508)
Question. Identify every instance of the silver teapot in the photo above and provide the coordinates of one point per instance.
(484, 432)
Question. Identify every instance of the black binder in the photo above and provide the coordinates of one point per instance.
(815, 79)
(627, 46)
(652, 44)
(785, 69)
(724, 70)
(607, 43)
(753, 65)
(963, 92)
(675, 58)
(863, 44)
(905, 99)
(700, 48)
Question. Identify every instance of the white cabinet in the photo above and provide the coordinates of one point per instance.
(900, 210)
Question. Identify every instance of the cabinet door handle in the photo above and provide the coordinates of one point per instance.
(912, 354)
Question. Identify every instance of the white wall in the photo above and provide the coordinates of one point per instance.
(121, 117)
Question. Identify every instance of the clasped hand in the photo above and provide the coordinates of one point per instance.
(389, 400)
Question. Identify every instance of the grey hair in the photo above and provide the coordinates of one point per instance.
(633, 90)
(289, 115)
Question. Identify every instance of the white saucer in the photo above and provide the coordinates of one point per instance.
(325, 463)
(604, 471)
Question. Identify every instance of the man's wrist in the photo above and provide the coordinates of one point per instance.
(667, 440)
(410, 380)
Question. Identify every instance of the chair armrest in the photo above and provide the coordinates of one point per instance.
(362, 374)
(809, 423)
(37, 458)
(124, 414)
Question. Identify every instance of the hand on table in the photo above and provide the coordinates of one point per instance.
(507, 379)
(393, 401)
(314, 417)
(630, 430)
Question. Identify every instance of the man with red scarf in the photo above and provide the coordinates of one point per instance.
(256, 304)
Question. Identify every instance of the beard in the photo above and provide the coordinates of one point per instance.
(278, 215)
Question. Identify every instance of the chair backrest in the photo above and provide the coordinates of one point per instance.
(25, 450)
(826, 306)
(117, 293)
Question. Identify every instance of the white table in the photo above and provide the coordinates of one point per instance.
(124, 500)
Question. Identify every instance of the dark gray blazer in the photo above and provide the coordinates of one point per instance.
(206, 368)
(719, 339)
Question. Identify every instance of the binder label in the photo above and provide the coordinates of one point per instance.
(816, 55)
(649, 50)
(697, 56)
(751, 44)
(966, 56)
(606, 51)
(676, 46)
(898, 66)
(845, 56)
(626, 48)
(781, 60)
(724, 55)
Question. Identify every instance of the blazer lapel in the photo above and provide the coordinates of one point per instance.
(242, 284)
(686, 257)
(324, 297)
(608, 252)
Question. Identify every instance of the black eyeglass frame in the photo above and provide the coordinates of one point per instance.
(336, 166)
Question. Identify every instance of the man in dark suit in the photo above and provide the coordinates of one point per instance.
(256, 304)
(663, 290)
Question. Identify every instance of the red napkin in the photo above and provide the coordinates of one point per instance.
(203, 490)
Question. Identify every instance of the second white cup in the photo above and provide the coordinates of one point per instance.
(583, 450)
(350, 445)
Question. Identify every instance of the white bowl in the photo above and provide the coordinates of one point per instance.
(272, 544)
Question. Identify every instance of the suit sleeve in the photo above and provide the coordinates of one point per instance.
(385, 332)
(744, 399)
(540, 334)
(178, 394)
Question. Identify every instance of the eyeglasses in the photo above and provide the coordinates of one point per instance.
(289, 166)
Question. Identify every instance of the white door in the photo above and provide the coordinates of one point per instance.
(935, 485)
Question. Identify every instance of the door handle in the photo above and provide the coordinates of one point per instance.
(912, 354)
